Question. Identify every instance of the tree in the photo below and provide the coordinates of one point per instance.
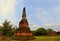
(50, 32)
(7, 28)
(14, 29)
(41, 31)
(1, 30)
(34, 32)
(58, 32)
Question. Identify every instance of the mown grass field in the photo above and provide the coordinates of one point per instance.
(40, 38)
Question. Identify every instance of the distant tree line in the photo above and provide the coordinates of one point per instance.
(8, 29)
(42, 32)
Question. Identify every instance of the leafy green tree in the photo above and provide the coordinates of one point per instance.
(7, 28)
(41, 31)
(14, 29)
(51, 32)
(1, 29)
(34, 32)
(58, 32)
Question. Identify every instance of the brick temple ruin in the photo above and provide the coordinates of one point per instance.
(23, 32)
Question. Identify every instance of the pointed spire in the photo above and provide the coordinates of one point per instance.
(24, 13)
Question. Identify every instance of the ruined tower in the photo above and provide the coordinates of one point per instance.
(23, 32)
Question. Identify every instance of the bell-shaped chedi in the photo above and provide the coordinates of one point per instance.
(23, 32)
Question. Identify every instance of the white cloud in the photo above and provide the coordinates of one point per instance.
(52, 24)
(42, 15)
(36, 0)
(34, 26)
(55, 10)
(48, 24)
(7, 8)
(45, 18)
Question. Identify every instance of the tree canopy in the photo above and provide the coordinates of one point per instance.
(7, 28)
(41, 31)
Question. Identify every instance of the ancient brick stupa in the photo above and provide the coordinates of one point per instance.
(23, 32)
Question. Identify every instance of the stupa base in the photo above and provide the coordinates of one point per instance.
(23, 37)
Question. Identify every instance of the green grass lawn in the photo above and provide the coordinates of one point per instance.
(41, 38)
(47, 38)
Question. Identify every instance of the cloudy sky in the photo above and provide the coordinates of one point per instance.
(40, 13)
